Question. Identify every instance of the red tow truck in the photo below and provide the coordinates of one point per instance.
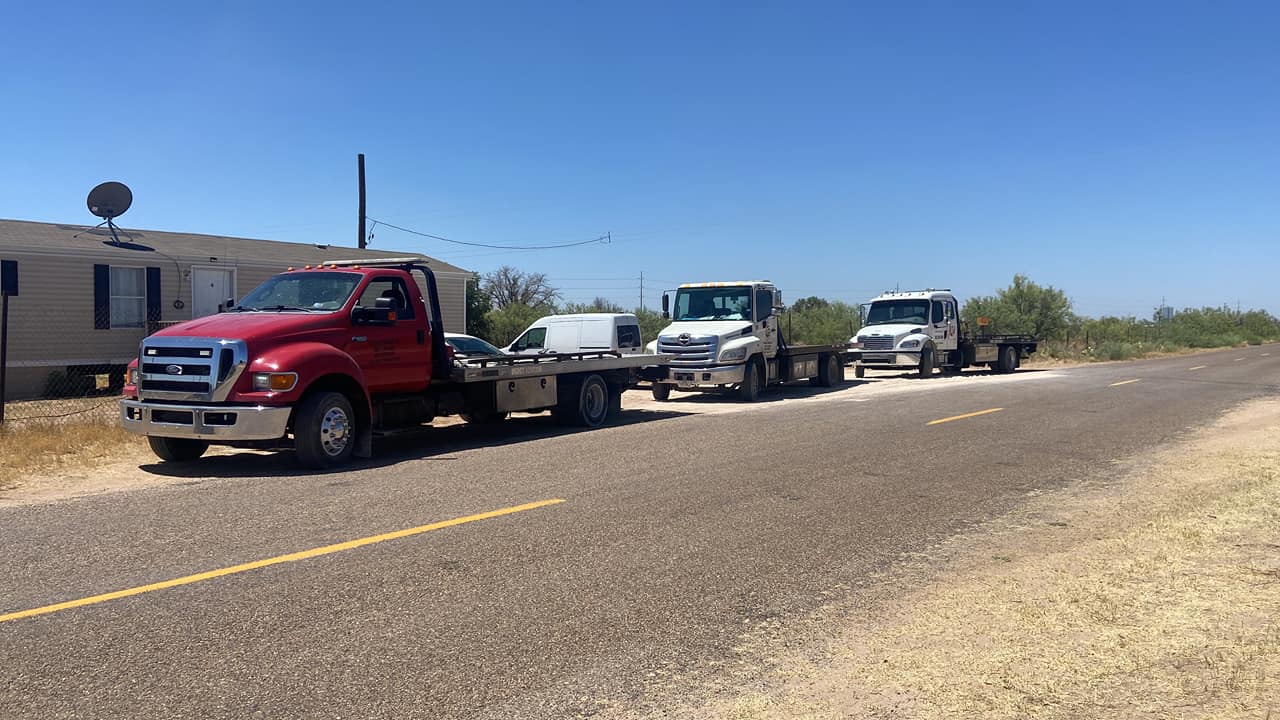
(322, 358)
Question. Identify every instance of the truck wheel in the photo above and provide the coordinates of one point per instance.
(324, 430)
(615, 401)
(584, 405)
(177, 449)
(859, 371)
(1008, 359)
(661, 392)
(749, 389)
(926, 362)
(830, 372)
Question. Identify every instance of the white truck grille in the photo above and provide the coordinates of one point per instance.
(189, 369)
(689, 350)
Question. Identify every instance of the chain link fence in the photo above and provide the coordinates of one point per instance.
(56, 372)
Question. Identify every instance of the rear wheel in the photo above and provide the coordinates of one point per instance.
(661, 392)
(586, 404)
(324, 430)
(926, 362)
(1008, 359)
(830, 371)
(859, 371)
(177, 449)
(749, 389)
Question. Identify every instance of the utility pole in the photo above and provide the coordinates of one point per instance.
(360, 240)
(642, 288)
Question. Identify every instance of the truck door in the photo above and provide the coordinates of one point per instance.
(394, 357)
(766, 325)
(943, 323)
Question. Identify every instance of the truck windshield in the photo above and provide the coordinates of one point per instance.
(898, 311)
(306, 290)
(713, 303)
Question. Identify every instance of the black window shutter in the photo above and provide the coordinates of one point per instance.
(101, 297)
(153, 299)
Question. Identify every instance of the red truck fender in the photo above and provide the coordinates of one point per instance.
(320, 365)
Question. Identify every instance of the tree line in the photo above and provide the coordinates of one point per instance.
(502, 303)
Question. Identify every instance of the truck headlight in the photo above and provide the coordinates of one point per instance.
(274, 381)
(910, 344)
(733, 354)
(133, 377)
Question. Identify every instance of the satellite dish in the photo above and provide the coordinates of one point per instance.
(110, 200)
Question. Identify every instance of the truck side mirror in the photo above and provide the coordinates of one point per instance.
(382, 313)
(666, 307)
(230, 303)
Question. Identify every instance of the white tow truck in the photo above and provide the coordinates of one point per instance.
(727, 335)
(921, 330)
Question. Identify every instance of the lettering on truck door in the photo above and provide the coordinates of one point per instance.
(393, 357)
(766, 325)
(950, 326)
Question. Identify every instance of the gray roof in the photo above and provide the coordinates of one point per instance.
(83, 240)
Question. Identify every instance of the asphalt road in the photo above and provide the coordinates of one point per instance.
(677, 533)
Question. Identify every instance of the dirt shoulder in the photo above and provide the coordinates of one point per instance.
(1154, 596)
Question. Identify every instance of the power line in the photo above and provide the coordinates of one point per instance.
(603, 239)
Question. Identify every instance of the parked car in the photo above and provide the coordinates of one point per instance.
(465, 346)
(582, 332)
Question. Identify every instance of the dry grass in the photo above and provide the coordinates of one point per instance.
(1156, 599)
(44, 449)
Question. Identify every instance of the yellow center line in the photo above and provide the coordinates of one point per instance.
(962, 417)
(302, 555)
(1198, 367)
(1123, 382)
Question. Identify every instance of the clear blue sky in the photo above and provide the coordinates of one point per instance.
(1120, 151)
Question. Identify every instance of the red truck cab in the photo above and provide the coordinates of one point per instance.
(347, 333)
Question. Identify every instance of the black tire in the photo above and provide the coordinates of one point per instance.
(830, 371)
(859, 371)
(661, 392)
(177, 449)
(749, 389)
(584, 404)
(324, 430)
(926, 362)
(615, 401)
(1008, 359)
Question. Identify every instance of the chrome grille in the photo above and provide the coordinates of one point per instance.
(192, 369)
(876, 342)
(695, 350)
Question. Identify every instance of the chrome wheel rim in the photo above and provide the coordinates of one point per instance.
(335, 431)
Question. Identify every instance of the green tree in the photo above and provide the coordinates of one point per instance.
(651, 323)
(816, 321)
(505, 324)
(478, 307)
(1023, 308)
(598, 305)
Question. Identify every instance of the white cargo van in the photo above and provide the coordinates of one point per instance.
(583, 332)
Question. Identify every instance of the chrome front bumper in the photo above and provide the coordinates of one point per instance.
(206, 422)
(693, 377)
(897, 358)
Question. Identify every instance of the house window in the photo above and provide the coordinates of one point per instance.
(128, 297)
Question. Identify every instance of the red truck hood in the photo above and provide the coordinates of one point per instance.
(256, 327)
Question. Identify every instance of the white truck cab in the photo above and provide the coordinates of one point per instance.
(726, 334)
(921, 330)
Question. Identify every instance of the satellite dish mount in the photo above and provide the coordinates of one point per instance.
(108, 201)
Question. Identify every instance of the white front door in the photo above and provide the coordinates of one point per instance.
(210, 287)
